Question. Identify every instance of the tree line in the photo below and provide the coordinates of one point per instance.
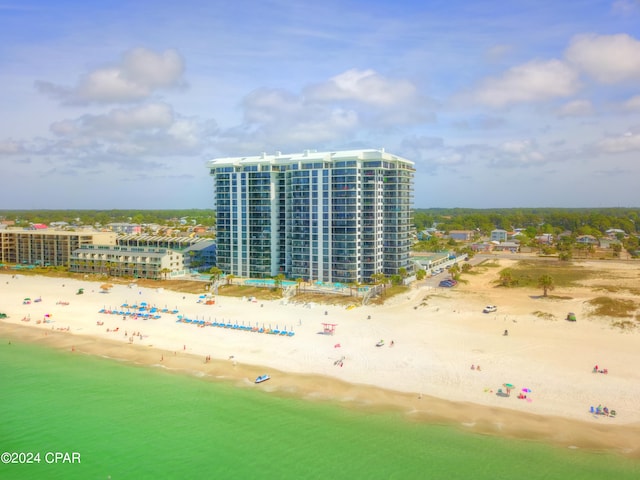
(582, 221)
(206, 217)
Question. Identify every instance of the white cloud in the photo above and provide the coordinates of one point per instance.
(621, 144)
(117, 121)
(347, 104)
(135, 78)
(530, 82)
(632, 104)
(8, 147)
(576, 108)
(137, 132)
(607, 58)
(364, 86)
(518, 153)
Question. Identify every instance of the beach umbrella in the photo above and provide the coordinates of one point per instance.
(526, 390)
(508, 386)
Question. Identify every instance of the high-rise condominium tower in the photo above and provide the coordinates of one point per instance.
(330, 216)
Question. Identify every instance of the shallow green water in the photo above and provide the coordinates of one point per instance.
(139, 422)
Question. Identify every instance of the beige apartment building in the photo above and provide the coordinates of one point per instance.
(47, 247)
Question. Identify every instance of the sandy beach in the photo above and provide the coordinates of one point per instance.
(432, 337)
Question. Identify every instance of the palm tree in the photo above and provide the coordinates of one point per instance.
(298, 282)
(165, 271)
(229, 278)
(454, 271)
(546, 283)
(278, 279)
(215, 273)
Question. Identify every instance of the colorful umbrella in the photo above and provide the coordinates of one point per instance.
(526, 390)
(508, 385)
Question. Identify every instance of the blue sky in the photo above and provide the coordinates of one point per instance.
(500, 104)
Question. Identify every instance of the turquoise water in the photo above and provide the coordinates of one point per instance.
(130, 422)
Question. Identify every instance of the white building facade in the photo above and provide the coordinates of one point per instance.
(336, 217)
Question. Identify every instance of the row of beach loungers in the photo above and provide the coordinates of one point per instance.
(148, 308)
(139, 311)
(235, 326)
(130, 313)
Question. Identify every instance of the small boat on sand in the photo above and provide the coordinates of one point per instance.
(380, 343)
(262, 378)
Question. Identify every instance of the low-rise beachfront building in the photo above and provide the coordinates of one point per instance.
(587, 240)
(47, 247)
(498, 235)
(462, 235)
(200, 253)
(123, 261)
(513, 247)
(337, 217)
(125, 228)
(146, 256)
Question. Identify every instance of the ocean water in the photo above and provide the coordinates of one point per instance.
(133, 422)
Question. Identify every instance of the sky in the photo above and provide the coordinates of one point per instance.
(119, 105)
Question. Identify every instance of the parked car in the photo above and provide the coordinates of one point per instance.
(490, 309)
(448, 283)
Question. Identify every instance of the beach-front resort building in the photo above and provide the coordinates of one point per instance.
(94, 252)
(337, 217)
(45, 247)
(146, 256)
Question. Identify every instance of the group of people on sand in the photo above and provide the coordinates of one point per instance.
(474, 367)
(600, 410)
(597, 370)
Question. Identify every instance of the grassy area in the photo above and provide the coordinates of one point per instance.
(261, 293)
(526, 273)
(624, 325)
(613, 307)
(388, 293)
(327, 299)
(617, 289)
(544, 315)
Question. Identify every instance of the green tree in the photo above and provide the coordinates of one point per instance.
(546, 283)
(454, 271)
(215, 273)
(506, 278)
(278, 279)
